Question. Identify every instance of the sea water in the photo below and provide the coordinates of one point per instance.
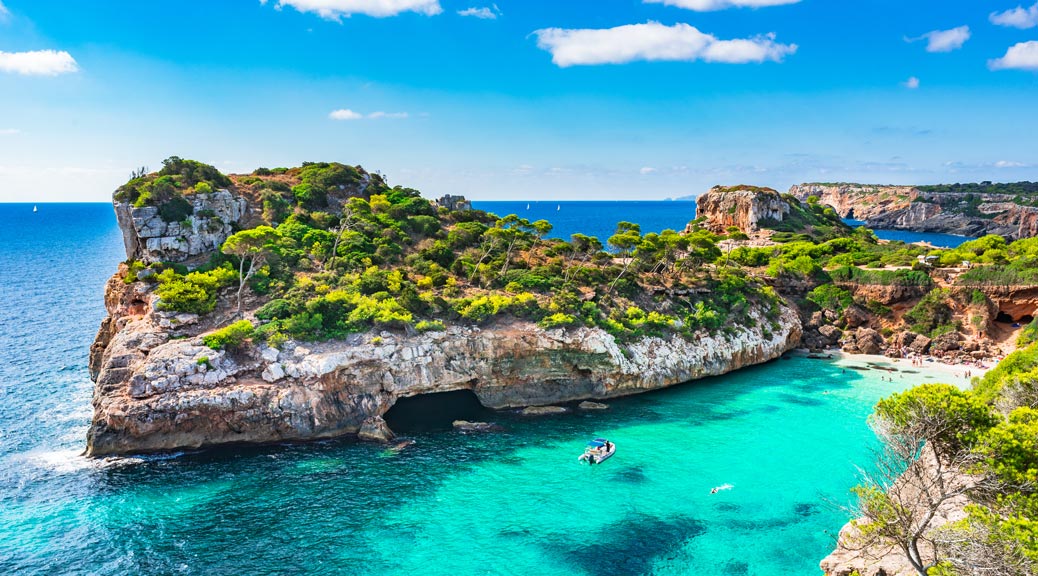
(599, 219)
(787, 436)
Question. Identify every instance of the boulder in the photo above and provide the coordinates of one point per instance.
(855, 316)
(919, 344)
(946, 342)
(542, 410)
(375, 429)
(830, 332)
(868, 341)
(589, 405)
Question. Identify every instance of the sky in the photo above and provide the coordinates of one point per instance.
(520, 99)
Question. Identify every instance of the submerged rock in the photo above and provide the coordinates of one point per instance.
(589, 405)
(542, 410)
(466, 426)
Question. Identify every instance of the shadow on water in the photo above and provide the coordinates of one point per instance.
(630, 546)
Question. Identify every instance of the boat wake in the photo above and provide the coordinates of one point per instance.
(717, 489)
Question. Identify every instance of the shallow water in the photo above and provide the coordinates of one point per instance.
(513, 502)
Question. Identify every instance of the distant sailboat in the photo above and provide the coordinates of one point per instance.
(527, 206)
(34, 209)
(559, 207)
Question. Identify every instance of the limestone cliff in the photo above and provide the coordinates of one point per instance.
(910, 208)
(148, 237)
(158, 390)
(745, 207)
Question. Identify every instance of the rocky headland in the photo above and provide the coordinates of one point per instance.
(922, 209)
(161, 387)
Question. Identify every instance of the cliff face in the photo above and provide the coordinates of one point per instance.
(744, 208)
(158, 392)
(150, 238)
(908, 208)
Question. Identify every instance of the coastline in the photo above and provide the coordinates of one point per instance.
(931, 369)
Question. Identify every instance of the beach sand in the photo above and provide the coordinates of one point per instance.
(940, 371)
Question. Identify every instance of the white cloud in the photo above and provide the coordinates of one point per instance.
(347, 114)
(944, 40)
(336, 9)
(653, 41)
(9, 131)
(1010, 164)
(647, 170)
(391, 115)
(38, 63)
(912, 83)
(1022, 56)
(1018, 17)
(484, 13)
(4, 12)
(710, 5)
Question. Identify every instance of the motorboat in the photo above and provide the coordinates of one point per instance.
(597, 451)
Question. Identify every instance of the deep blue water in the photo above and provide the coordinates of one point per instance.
(938, 240)
(599, 218)
(786, 435)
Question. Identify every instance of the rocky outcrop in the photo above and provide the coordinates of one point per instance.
(155, 393)
(908, 208)
(741, 206)
(150, 238)
(857, 201)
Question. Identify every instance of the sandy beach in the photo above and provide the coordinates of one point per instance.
(951, 373)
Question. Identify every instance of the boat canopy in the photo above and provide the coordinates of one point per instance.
(597, 443)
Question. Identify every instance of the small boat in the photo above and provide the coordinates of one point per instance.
(527, 206)
(34, 208)
(559, 207)
(597, 451)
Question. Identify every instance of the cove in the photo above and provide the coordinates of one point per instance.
(787, 435)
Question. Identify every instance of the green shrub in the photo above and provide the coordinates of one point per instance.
(179, 295)
(176, 209)
(231, 336)
(830, 297)
(558, 320)
(430, 326)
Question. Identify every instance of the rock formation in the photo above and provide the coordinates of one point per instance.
(908, 208)
(156, 391)
(744, 207)
(149, 238)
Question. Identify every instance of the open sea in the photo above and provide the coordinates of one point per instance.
(786, 436)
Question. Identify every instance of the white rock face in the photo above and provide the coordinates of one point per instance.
(744, 208)
(164, 399)
(149, 238)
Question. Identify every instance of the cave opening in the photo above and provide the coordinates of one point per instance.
(1004, 318)
(435, 412)
(1026, 319)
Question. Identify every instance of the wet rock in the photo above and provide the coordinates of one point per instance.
(542, 410)
(466, 426)
(589, 405)
(375, 429)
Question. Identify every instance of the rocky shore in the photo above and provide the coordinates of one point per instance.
(909, 208)
(158, 389)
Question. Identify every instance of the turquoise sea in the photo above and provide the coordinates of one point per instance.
(787, 436)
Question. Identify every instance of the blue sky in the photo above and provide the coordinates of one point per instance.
(522, 99)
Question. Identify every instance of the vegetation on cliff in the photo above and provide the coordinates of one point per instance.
(337, 251)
